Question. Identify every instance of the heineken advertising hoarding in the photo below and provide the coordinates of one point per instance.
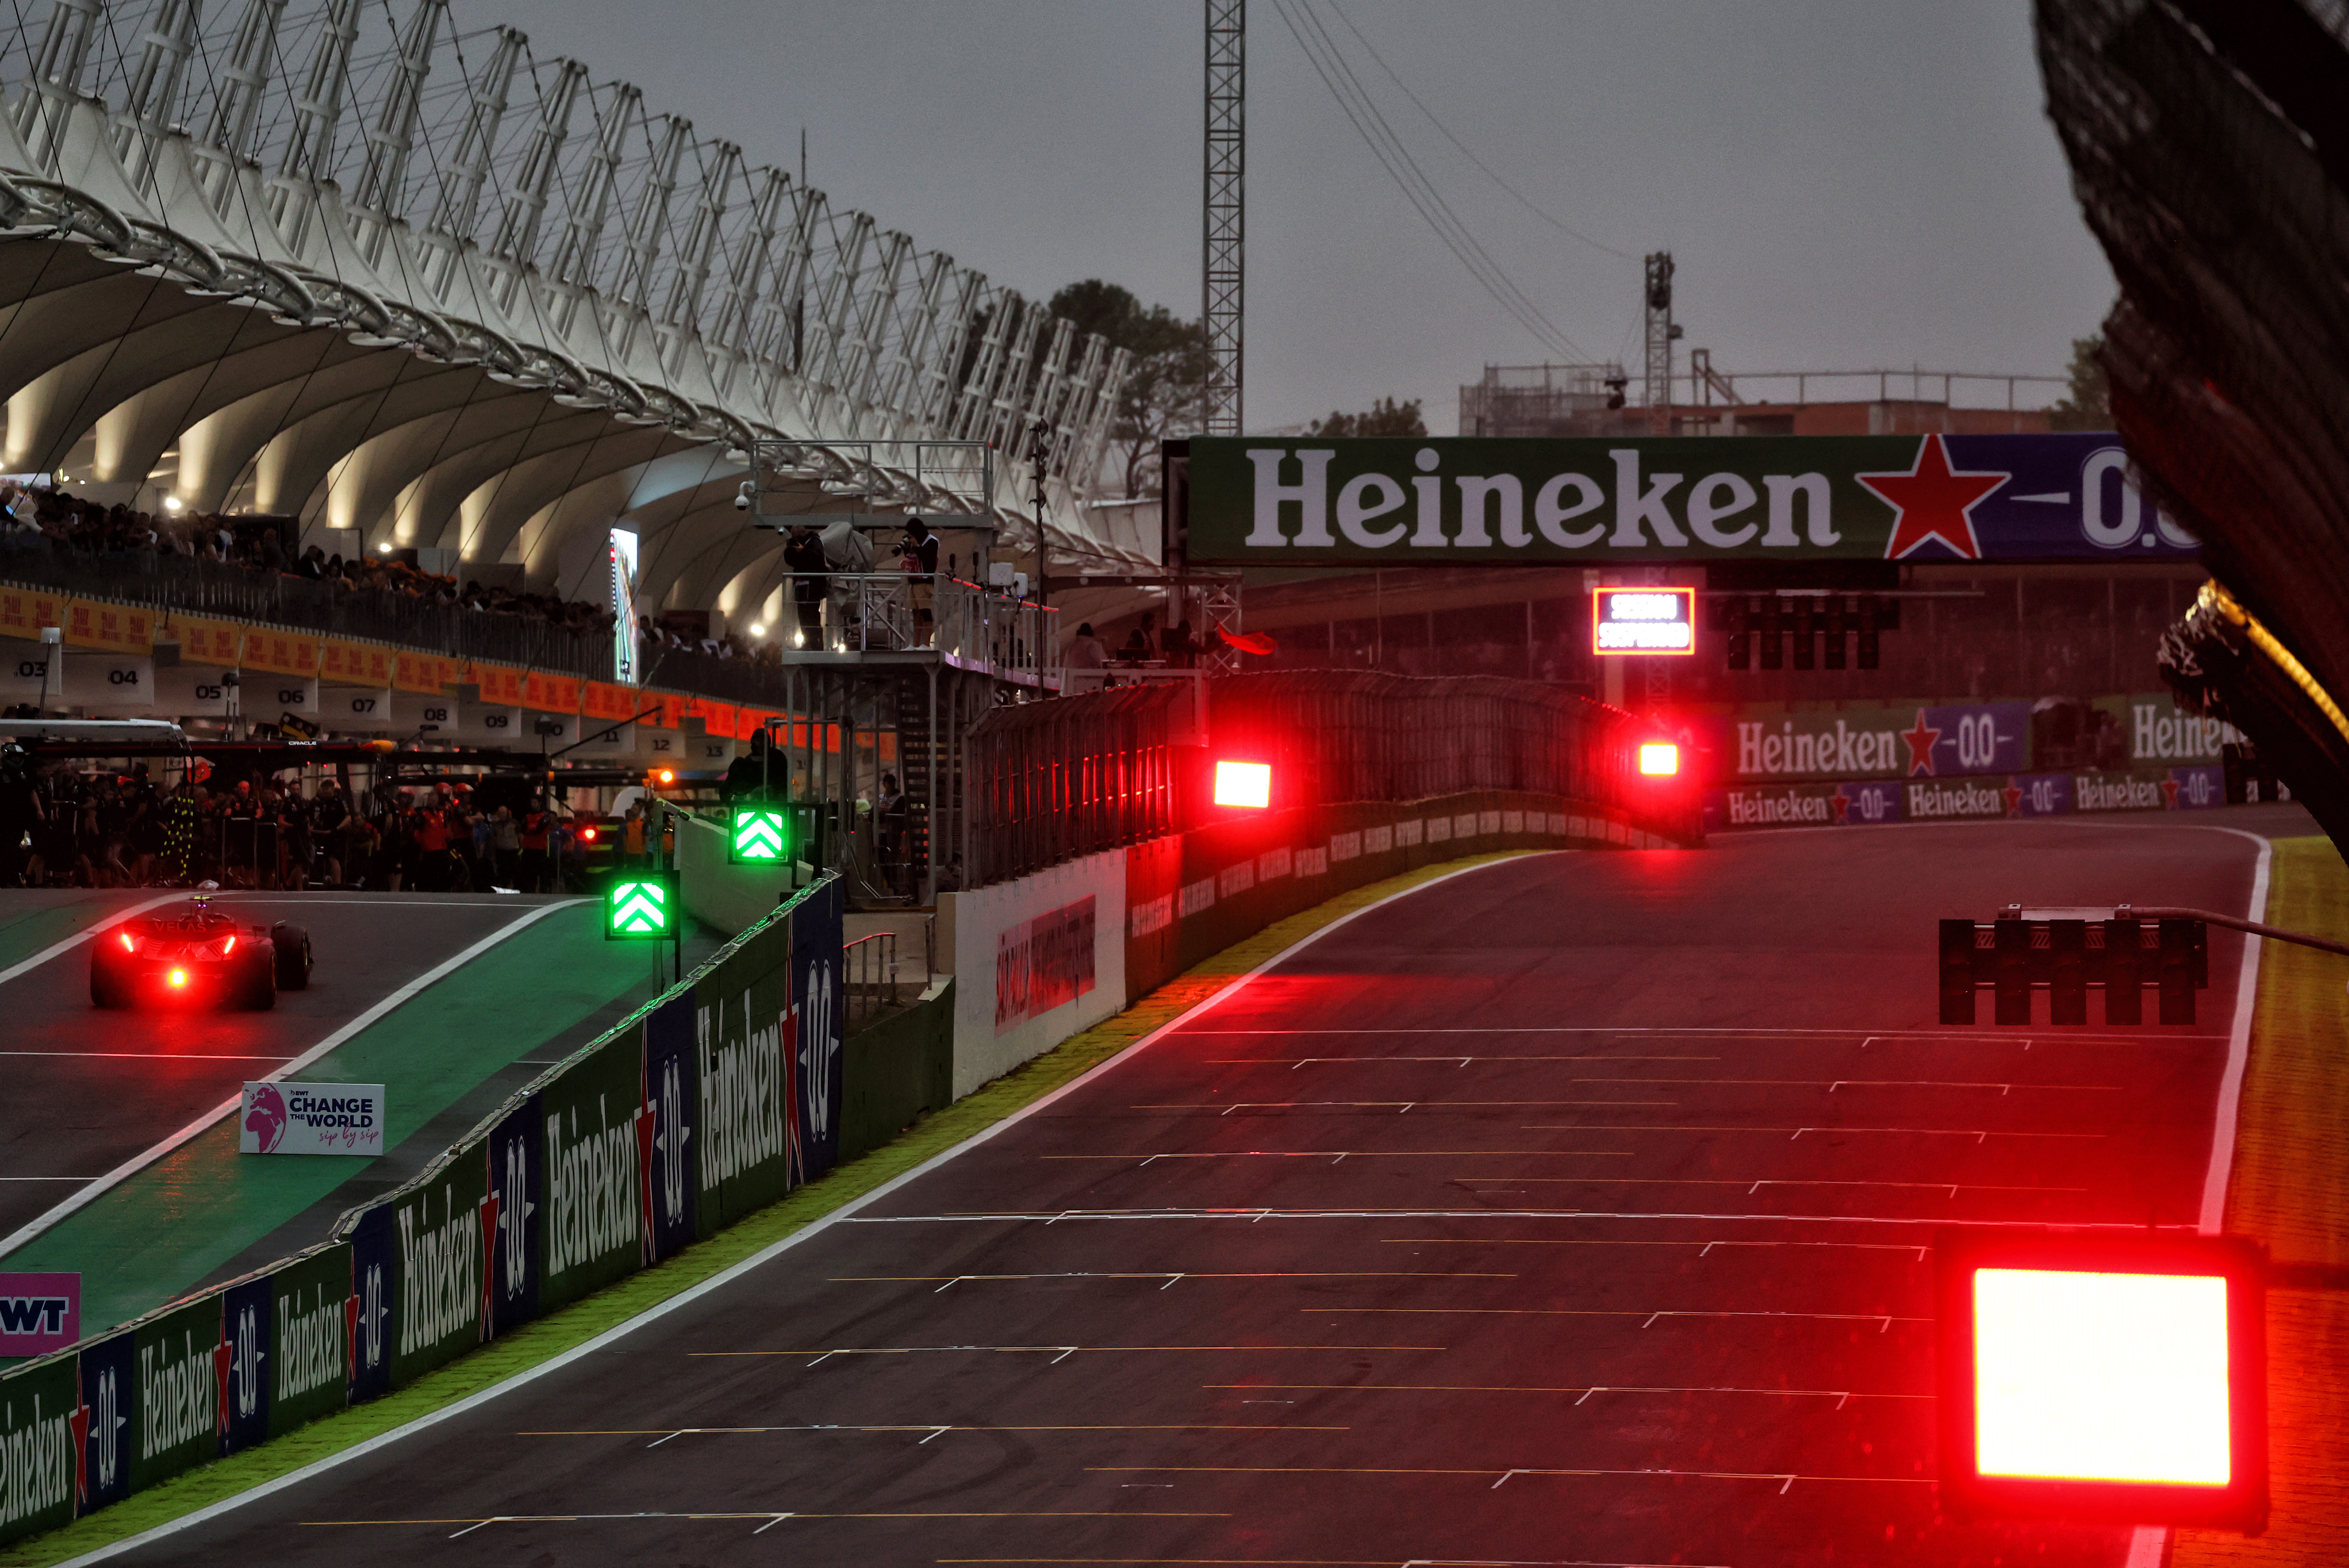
(1477, 501)
(1862, 803)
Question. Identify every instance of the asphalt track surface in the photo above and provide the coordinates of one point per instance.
(89, 1090)
(1571, 1209)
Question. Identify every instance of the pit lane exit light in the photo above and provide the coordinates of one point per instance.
(2103, 1378)
(1647, 621)
(1660, 759)
(1247, 784)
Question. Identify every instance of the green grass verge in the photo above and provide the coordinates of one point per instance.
(583, 1320)
(2289, 1189)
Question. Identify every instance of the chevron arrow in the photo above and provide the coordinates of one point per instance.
(757, 835)
(638, 908)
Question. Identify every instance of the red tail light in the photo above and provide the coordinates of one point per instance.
(178, 977)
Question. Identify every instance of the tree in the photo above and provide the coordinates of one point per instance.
(1384, 417)
(2087, 407)
(1164, 390)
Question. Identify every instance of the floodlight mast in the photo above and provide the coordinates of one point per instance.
(1223, 272)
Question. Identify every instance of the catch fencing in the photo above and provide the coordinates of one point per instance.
(1054, 781)
(707, 1104)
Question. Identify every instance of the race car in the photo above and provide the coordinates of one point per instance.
(197, 955)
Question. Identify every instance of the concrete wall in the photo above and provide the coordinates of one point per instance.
(1013, 966)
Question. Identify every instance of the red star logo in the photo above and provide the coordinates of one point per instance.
(223, 1354)
(645, 1179)
(1933, 502)
(2013, 800)
(78, 1424)
(1921, 746)
(1842, 803)
(2169, 793)
(487, 1306)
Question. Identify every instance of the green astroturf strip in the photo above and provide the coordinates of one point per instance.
(168, 1226)
(26, 927)
(583, 1320)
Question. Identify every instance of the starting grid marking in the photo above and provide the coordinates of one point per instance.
(1832, 1085)
(1883, 1321)
(1058, 1353)
(1257, 1216)
(1172, 1277)
(1785, 1478)
(1866, 1036)
(1842, 1397)
(772, 1519)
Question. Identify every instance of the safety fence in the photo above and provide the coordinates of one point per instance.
(1051, 781)
(708, 1102)
(1062, 780)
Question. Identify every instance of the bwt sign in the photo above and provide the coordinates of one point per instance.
(38, 1312)
(1499, 501)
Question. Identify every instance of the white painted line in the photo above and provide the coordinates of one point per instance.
(71, 942)
(2239, 1056)
(140, 1162)
(764, 1255)
(1256, 1216)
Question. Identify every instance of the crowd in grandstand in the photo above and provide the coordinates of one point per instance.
(65, 525)
(66, 829)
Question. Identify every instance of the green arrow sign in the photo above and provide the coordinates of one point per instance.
(639, 908)
(757, 835)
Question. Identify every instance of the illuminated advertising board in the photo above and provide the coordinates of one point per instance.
(1647, 621)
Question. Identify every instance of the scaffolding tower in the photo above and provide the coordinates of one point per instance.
(1661, 333)
(1222, 274)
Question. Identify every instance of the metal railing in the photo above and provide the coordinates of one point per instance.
(1050, 781)
(1053, 781)
(880, 612)
(143, 578)
(870, 967)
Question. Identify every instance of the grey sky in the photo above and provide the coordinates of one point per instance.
(1844, 182)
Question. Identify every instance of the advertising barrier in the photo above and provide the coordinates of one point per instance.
(1867, 802)
(717, 1098)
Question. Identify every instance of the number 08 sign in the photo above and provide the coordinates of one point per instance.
(1645, 621)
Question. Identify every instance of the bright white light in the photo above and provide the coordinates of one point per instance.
(1244, 783)
(384, 548)
(1647, 636)
(172, 503)
(1643, 607)
(1659, 758)
(2112, 1378)
(756, 629)
(799, 640)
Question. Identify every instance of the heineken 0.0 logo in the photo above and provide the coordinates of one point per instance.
(641, 906)
(757, 835)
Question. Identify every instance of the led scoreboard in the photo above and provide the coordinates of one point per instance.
(1646, 621)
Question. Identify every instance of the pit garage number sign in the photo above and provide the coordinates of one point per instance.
(1644, 621)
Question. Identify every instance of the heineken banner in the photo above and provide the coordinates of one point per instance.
(438, 1231)
(42, 1469)
(595, 1170)
(517, 1158)
(1862, 803)
(1298, 502)
(310, 1319)
(245, 1333)
(180, 1374)
(1931, 740)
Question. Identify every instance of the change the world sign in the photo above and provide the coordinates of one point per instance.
(1275, 502)
(311, 1118)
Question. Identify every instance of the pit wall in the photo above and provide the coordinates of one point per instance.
(1039, 959)
(712, 1101)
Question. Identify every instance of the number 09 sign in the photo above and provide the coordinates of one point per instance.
(1644, 621)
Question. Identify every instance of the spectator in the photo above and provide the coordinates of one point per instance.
(811, 581)
(919, 557)
(632, 841)
(1136, 648)
(1085, 651)
(505, 848)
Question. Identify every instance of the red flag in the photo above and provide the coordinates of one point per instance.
(1249, 641)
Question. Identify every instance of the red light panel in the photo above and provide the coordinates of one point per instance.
(1246, 784)
(1660, 759)
(2103, 1376)
(588, 835)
